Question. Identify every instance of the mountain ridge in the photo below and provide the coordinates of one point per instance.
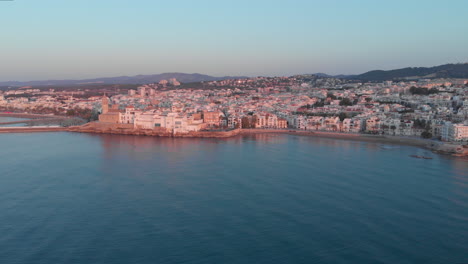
(451, 70)
(136, 79)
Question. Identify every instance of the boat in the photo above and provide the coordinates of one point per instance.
(420, 157)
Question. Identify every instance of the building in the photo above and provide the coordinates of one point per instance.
(315, 123)
(454, 132)
(109, 115)
(129, 116)
(353, 125)
(373, 124)
(212, 118)
(173, 122)
(174, 82)
(142, 91)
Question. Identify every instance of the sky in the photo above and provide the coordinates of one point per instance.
(65, 39)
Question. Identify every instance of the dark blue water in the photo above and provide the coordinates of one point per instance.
(82, 198)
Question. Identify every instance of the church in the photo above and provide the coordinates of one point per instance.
(109, 115)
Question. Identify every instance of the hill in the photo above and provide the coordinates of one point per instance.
(459, 70)
(138, 79)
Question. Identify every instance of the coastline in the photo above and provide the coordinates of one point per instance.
(417, 142)
(124, 129)
(438, 147)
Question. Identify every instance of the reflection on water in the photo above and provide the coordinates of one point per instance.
(266, 198)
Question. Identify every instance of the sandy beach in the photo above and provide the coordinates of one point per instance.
(419, 142)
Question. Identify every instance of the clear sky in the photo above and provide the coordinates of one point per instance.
(63, 39)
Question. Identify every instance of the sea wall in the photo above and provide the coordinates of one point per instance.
(210, 134)
(32, 129)
(128, 129)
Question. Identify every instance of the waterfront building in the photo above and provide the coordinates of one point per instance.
(353, 125)
(454, 132)
(212, 118)
(128, 117)
(109, 115)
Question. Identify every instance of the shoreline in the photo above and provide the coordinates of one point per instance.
(119, 129)
(124, 129)
(437, 147)
(418, 142)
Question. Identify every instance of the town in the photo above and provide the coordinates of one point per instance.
(427, 108)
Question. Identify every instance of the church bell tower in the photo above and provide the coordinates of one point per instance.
(105, 104)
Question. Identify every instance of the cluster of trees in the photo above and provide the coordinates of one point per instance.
(341, 115)
(37, 110)
(86, 114)
(330, 95)
(346, 102)
(422, 124)
(25, 95)
(426, 134)
(321, 103)
(344, 115)
(423, 91)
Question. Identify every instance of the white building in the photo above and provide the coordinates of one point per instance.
(454, 132)
(175, 122)
(353, 125)
(132, 92)
(129, 116)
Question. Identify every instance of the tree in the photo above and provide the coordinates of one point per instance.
(342, 116)
(422, 91)
(319, 103)
(346, 102)
(426, 134)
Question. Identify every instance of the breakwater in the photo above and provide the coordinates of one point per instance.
(128, 129)
(32, 129)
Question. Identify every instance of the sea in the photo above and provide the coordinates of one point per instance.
(265, 198)
(11, 119)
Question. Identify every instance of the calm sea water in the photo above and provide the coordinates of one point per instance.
(82, 198)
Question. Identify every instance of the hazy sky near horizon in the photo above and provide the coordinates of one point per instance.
(57, 39)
